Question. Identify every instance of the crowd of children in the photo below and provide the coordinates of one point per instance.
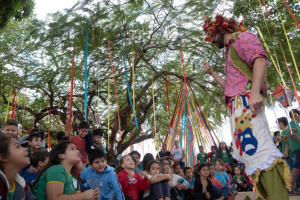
(77, 168)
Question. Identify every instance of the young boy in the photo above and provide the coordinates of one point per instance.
(97, 138)
(101, 176)
(34, 143)
(201, 157)
(176, 169)
(137, 156)
(277, 141)
(213, 155)
(222, 191)
(80, 141)
(190, 179)
(294, 142)
(10, 128)
(60, 135)
(38, 160)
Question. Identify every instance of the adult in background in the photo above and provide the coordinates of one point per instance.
(137, 157)
(178, 154)
(164, 154)
(245, 91)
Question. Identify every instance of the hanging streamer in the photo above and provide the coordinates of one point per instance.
(99, 66)
(108, 86)
(23, 108)
(71, 89)
(8, 100)
(58, 115)
(116, 95)
(128, 87)
(167, 94)
(44, 97)
(86, 74)
(133, 93)
(13, 105)
(275, 113)
(49, 137)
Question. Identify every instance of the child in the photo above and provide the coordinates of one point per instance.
(101, 176)
(59, 136)
(190, 179)
(294, 142)
(220, 175)
(38, 160)
(97, 138)
(147, 158)
(137, 157)
(10, 128)
(178, 184)
(239, 180)
(201, 157)
(224, 153)
(181, 173)
(226, 170)
(159, 186)
(213, 155)
(12, 159)
(222, 191)
(34, 143)
(277, 141)
(132, 183)
(176, 168)
(203, 186)
(57, 180)
(80, 141)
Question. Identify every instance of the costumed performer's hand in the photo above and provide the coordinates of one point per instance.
(96, 194)
(207, 68)
(255, 102)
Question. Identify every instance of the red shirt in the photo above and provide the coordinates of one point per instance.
(81, 146)
(215, 182)
(131, 187)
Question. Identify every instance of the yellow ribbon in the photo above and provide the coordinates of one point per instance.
(287, 38)
(108, 85)
(8, 101)
(153, 108)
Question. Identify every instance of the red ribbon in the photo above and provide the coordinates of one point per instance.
(291, 14)
(71, 89)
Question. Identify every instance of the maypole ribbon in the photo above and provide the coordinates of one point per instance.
(153, 108)
(291, 14)
(13, 105)
(58, 115)
(108, 86)
(23, 108)
(49, 137)
(128, 87)
(167, 94)
(99, 66)
(44, 97)
(133, 93)
(71, 89)
(275, 113)
(8, 100)
(86, 73)
(116, 95)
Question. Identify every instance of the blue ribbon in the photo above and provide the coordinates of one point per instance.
(86, 73)
(137, 127)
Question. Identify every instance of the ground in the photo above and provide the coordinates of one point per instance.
(253, 196)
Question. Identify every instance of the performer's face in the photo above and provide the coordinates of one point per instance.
(218, 40)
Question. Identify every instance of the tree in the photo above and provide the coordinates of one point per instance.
(15, 9)
(41, 54)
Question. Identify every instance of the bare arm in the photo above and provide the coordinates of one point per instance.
(183, 155)
(295, 137)
(285, 139)
(259, 77)
(172, 157)
(161, 177)
(207, 68)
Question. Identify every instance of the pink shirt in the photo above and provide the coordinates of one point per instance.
(249, 49)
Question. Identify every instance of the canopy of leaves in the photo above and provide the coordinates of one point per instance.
(38, 53)
(15, 9)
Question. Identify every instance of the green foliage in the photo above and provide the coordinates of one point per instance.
(15, 9)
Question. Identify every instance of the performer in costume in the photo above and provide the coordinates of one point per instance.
(245, 92)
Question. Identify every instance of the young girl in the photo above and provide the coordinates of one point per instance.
(58, 180)
(13, 158)
(177, 185)
(226, 170)
(159, 186)
(220, 174)
(147, 158)
(132, 183)
(224, 153)
(203, 188)
(240, 180)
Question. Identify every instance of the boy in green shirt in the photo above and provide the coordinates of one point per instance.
(294, 142)
(202, 157)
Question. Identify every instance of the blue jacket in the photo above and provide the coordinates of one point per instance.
(30, 177)
(107, 182)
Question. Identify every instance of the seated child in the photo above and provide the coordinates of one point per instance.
(226, 170)
(58, 179)
(178, 184)
(190, 179)
(203, 188)
(101, 176)
(12, 159)
(176, 169)
(10, 128)
(202, 157)
(213, 155)
(38, 160)
(132, 183)
(220, 174)
(97, 138)
(239, 180)
(222, 191)
(159, 186)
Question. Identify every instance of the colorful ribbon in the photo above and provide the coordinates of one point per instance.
(108, 86)
(86, 74)
(71, 89)
(8, 100)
